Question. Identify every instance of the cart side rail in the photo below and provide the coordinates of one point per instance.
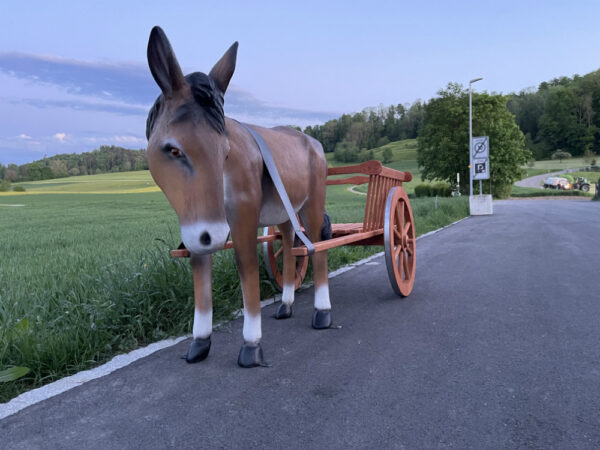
(381, 179)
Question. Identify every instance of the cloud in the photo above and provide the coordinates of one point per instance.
(128, 89)
(98, 103)
(129, 140)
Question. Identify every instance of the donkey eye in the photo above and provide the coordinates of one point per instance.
(175, 152)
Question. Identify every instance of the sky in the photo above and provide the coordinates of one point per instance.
(74, 75)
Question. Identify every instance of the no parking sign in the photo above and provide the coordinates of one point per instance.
(481, 158)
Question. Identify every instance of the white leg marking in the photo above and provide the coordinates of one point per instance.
(322, 298)
(288, 294)
(252, 329)
(202, 324)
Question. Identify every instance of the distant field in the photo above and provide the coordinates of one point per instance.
(552, 165)
(109, 183)
(404, 159)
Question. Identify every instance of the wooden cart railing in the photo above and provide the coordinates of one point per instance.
(370, 232)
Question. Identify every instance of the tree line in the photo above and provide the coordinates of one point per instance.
(561, 114)
(352, 135)
(107, 158)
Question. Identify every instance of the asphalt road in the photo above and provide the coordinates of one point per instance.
(497, 347)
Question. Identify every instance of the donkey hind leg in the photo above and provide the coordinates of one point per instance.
(251, 354)
(202, 330)
(289, 272)
(313, 220)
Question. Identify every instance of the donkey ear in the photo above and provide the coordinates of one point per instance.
(163, 63)
(223, 70)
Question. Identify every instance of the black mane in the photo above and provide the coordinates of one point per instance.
(208, 102)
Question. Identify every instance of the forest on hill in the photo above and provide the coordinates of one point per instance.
(107, 158)
(561, 114)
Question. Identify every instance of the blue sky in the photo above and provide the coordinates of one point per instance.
(73, 74)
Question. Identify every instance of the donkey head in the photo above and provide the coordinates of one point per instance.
(187, 142)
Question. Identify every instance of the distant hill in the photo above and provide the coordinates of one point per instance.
(106, 159)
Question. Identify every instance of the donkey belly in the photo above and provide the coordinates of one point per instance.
(272, 211)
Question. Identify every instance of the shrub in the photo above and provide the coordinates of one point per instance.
(502, 190)
(441, 190)
(387, 155)
(383, 141)
(4, 185)
(423, 190)
(19, 189)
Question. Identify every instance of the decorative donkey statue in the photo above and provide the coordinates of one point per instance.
(212, 172)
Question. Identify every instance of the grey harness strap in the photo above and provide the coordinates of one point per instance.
(265, 151)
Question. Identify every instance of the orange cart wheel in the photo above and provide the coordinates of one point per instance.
(400, 242)
(273, 254)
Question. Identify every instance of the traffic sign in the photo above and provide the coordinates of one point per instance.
(481, 147)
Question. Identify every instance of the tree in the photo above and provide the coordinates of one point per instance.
(346, 152)
(387, 155)
(443, 146)
(560, 155)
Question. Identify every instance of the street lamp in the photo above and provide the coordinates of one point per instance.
(471, 137)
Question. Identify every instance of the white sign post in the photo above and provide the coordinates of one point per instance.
(480, 170)
(481, 159)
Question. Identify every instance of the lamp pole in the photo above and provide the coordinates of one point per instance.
(471, 136)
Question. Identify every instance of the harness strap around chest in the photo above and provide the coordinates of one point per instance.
(267, 157)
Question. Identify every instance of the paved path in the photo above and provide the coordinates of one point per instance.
(497, 347)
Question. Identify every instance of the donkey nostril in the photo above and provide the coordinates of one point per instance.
(205, 238)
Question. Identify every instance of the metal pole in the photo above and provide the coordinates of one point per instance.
(470, 142)
(471, 136)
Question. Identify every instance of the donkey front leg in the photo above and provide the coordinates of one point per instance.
(201, 267)
(251, 354)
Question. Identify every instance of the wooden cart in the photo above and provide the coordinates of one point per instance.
(388, 221)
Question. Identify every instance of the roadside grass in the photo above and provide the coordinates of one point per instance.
(86, 277)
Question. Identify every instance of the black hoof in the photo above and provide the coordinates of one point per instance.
(284, 311)
(198, 350)
(321, 319)
(251, 355)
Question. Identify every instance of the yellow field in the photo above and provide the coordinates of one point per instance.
(108, 183)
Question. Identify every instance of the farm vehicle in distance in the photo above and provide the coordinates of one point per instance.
(565, 184)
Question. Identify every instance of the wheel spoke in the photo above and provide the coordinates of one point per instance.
(397, 251)
(400, 263)
(399, 218)
(401, 208)
(398, 235)
(407, 227)
(278, 252)
(407, 268)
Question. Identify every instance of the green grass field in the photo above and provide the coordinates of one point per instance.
(86, 274)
